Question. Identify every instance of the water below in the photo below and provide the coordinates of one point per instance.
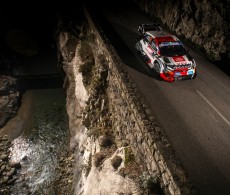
(44, 140)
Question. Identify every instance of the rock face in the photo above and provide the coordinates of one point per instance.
(9, 98)
(205, 24)
(95, 173)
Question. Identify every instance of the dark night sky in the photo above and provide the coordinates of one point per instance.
(33, 17)
(36, 18)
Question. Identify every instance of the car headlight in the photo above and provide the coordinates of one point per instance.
(193, 63)
(170, 67)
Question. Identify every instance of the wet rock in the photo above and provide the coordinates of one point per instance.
(4, 157)
(16, 165)
(11, 181)
(11, 172)
(5, 179)
(25, 158)
(7, 168)
(1, 147)
(3, 138)
(3, 167)
(1, 172)
(65, 179)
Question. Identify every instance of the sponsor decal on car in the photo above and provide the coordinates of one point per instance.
(163, 44)
(178, 58)
(177, 74)
(190, 72)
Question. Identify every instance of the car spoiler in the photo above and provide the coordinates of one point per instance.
(142, 28)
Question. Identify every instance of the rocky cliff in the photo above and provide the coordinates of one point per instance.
(99, 162)
(205, 24)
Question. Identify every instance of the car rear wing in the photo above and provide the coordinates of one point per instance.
(142, 28)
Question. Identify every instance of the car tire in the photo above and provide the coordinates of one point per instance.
(157, 67)
(153, 73)
(138, 46)
(195, 75)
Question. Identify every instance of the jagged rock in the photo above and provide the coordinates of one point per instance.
(9, 98)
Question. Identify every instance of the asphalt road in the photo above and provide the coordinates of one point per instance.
(194, 114)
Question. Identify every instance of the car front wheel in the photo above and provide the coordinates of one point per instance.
(195, 75)
(157, 67)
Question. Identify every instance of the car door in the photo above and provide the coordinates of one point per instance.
(149, 48)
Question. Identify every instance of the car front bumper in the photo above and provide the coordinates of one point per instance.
(172, 76)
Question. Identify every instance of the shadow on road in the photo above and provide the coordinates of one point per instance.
(133, 60)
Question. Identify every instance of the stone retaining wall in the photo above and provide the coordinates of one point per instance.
(134, 123)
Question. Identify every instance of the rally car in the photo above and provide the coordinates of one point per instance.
(164, 53)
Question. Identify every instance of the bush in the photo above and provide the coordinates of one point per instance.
(129, 156)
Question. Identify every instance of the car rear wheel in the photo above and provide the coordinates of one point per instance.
(138, 46)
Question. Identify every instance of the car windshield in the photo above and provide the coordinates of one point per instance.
(171, 49)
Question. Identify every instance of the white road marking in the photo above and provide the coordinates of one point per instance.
(213, 107)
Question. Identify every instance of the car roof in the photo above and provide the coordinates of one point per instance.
(162, 36)
(158, 33)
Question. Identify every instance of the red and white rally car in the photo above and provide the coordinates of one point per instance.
(165, 53)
